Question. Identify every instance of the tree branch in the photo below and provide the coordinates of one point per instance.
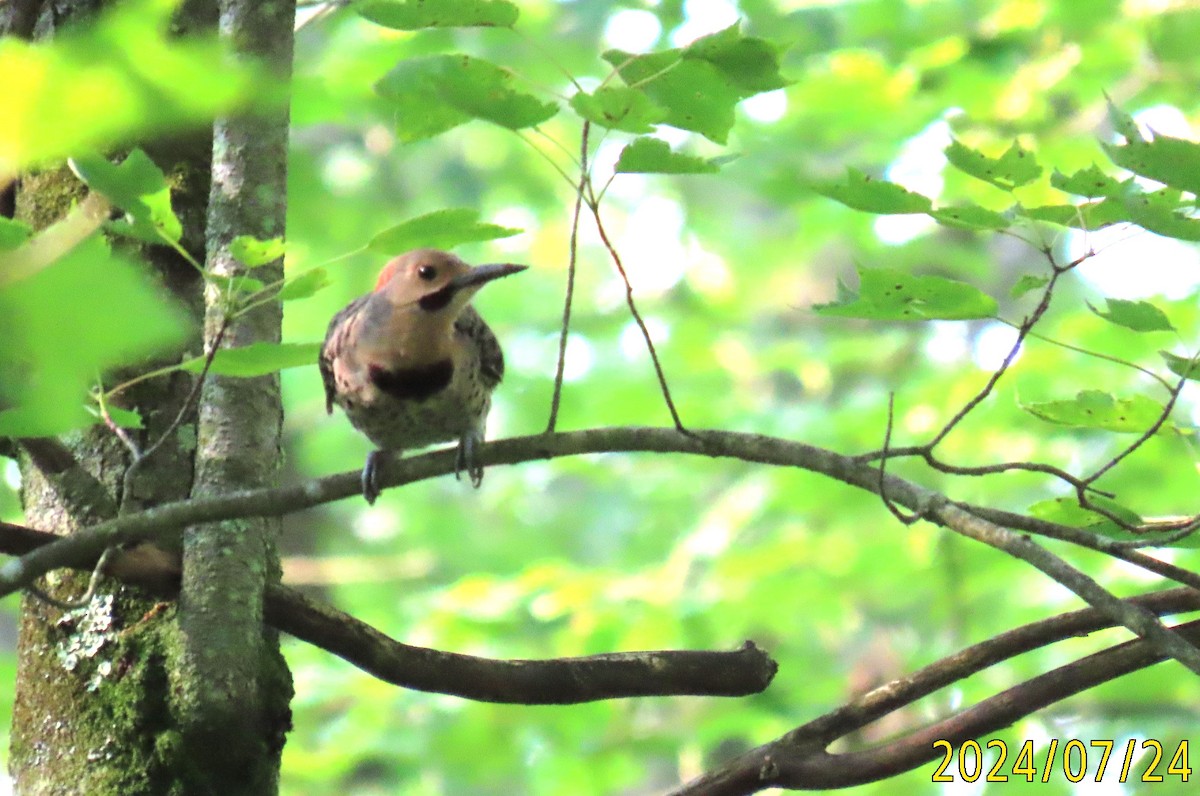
(934, 507)
(559, 681)
(798, 759)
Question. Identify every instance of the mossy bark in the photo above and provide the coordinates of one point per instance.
(108, 700)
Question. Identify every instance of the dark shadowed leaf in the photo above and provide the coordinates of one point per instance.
(138, 187)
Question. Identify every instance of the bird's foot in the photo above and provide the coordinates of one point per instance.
(370, 476)
(467, 459)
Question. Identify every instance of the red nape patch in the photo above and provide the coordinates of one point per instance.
(386, 274)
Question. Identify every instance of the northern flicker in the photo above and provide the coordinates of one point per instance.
(412, 363)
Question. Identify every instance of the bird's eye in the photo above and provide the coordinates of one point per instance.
(427, 272)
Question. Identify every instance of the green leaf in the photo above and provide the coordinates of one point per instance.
(62, 324)
(1140, 316)
(971, 216)
(13, 233)
(696, 94)
(751, 64)
(1014, 168)
(125, 418)
(1067, 511)
(894, 295)
(257, 359)
(418, 14)
(431, 95)
(252, 252)
(1171, 161)
(619, 108)
(1163, 212)
(125, 75)
(863, 192)
(1188, 368)
(1122, 122)
(1027, 283)
(1090, 182)
(441, 229)
(138, 187)
(1097, 409)
(304, 285)
(1087, 216)
(236, 285)
(654, 156)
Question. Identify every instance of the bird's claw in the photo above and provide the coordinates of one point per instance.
(370, 477)
(466, 459)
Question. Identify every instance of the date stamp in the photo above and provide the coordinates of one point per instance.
(1141, 761)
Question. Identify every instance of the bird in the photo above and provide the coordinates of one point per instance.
(412, 363)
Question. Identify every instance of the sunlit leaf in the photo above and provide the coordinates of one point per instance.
(87, 312)
(441, 229)
(1140, 316)
(1090, 182)
(1087, 216)
(1016, 167)
(252, 252)
(1067, 511)
(1188, 368)
(894, 295)
(970, 216)
(750, 64)
(122, 75)
(654, 156)
(1027, 283)
(1164, 212)
(619, 108)
(418, 14)
(863, 192)
(1171, 161)
(1099, 410)
(435, 94)
(695, 93)
(304, 285)
(257, 359)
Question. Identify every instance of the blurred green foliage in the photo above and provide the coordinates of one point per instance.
(616, 552)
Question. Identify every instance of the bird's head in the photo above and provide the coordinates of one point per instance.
(436, 282)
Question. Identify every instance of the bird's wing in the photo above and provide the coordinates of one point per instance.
(491, 358)
(340, 329)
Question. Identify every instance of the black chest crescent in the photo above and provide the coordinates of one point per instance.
(413, 384)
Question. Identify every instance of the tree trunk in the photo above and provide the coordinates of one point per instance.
(128, 696)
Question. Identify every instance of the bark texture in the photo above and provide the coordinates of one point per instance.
(232, 685)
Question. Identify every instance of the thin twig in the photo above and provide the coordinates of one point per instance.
(904, 517)
(637, 316)
(556, 397)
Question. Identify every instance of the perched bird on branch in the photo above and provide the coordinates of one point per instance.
(412, 363)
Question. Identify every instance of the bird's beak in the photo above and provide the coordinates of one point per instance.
(482, 274)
